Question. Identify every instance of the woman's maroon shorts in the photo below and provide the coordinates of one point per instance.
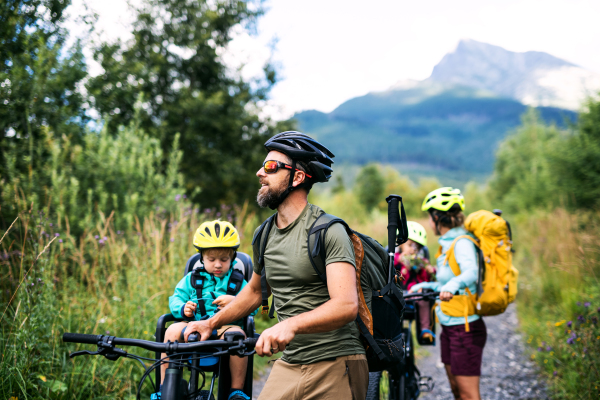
(463, 350)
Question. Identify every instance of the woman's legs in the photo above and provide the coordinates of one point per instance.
(453, 383)
(462, 353)
(173, 333)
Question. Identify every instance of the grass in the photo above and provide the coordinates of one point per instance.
(105, 281)
(558, 256)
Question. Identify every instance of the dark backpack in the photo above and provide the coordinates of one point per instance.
(381, 303)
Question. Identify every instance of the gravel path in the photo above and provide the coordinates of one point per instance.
(506, 374)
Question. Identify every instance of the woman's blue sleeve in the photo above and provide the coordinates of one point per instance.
(425, 285)
(466, 257)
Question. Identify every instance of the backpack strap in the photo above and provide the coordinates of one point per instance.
(235, 282)
(197, 282)
(451, 259)
(259, 244)
(317, 256)
(316, 242)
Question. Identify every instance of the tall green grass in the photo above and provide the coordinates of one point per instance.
(105, 281)
(558, 256)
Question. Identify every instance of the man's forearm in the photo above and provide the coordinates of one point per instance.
(244, 304)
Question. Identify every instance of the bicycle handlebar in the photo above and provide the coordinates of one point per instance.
(168, 347)
(81, 338)
(415, 296)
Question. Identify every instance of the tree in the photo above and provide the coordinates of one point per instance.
(173, 61)
(370, 186)
(39, 78)
(524, 177)
(577, 160)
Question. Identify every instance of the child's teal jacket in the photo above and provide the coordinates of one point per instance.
(213, 287)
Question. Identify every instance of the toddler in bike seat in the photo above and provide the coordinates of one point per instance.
(208, 288)
(412, 264)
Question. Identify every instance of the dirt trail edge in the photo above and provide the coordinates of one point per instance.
(507, 373)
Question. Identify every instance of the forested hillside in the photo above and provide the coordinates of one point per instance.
(418, 124)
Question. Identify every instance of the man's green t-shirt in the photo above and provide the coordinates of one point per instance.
(297, 288)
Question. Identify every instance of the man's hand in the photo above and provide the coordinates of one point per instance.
(275, 339)
(204, 328)
(223, 300)
(446, 296)
(189, 309)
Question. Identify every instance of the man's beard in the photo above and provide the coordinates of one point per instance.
(268, 196)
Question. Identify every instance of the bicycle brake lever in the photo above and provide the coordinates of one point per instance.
(83, 353)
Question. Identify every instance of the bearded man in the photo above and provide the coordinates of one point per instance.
(323, 357)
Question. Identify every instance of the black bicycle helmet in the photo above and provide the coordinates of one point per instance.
(301, 147)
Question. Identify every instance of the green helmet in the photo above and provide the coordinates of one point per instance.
(417, 233)
(443, 199)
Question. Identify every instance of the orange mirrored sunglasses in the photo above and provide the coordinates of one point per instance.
(272, 166)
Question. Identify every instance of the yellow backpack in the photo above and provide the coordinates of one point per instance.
(497, 281)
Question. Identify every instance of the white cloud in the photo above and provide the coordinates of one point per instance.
(330, 51)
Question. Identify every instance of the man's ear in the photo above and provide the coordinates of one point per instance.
(299, 177)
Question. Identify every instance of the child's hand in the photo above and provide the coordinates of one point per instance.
(430, 270)
(223, 300)
(189, 309)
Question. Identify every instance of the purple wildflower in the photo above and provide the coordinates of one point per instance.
(118, 232)
(172, 239)
(108, 332)
(586, 304)
(101, 241)
(59, 240)
(184, 196)
(57, 234)
(555, 373)
(50, 223)
(218, 214)
(104, 238)
(569, 323)
(177, 197)
(570, 340)
(585, 349)
(581, 318)
(594, 320)
(540, 349)
(548, 348)
(206, 210)
(579, 303)
(96, 237)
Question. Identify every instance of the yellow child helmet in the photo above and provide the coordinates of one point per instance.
(417, 233)
(443, 199)
(214, 234)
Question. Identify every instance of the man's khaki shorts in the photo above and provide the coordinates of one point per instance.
(345, 377)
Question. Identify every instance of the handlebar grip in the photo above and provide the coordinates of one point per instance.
(81, 338)
(393, 217)
(251, 342)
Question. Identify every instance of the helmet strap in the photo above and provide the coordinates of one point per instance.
(289, 189)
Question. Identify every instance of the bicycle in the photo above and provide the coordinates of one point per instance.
(198, 356)
(408, 384)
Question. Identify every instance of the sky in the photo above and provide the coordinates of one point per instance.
(327, 52)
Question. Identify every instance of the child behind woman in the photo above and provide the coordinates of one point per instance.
(412, 264)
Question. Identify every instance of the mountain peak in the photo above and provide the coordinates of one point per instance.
(532, 77)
